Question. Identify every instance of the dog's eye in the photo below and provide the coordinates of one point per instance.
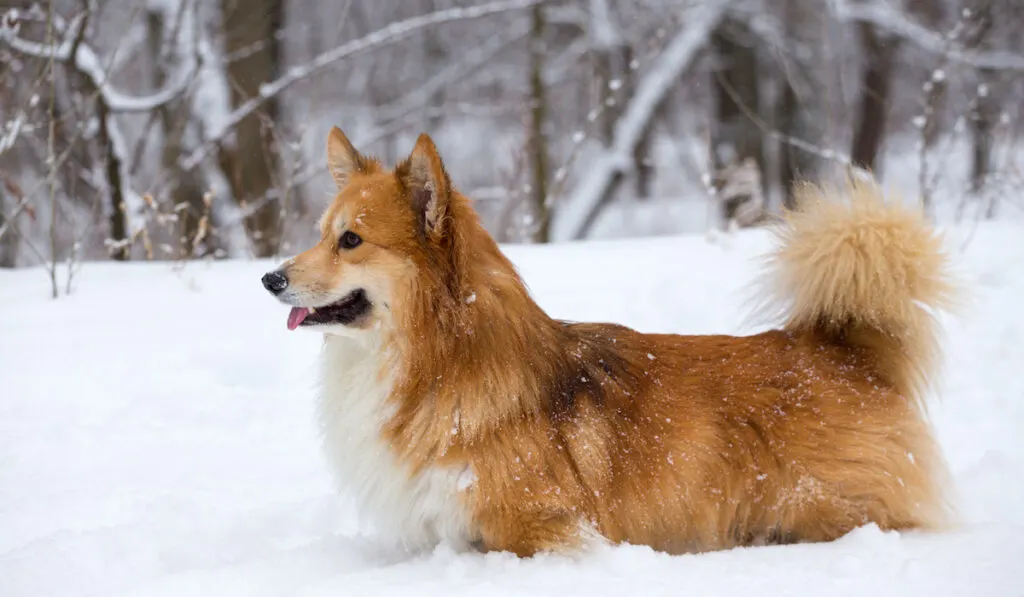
(349, 240)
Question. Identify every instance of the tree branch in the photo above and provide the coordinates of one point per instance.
(885, 17)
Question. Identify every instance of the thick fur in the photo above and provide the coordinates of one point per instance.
(459, 411)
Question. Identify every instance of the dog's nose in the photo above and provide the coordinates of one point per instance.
(275, 282)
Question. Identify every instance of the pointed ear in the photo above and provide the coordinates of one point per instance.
(425, 177)
(342, 158)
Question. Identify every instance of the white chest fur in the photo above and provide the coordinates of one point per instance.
(416, 511)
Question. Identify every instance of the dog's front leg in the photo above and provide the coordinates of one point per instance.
(527, 532)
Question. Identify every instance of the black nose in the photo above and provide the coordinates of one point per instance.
(275, 282)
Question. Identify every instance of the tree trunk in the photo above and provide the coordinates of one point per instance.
(643, 166)
(790, 173)
(800, 112)
(185, 187)
(251, 161)
(610, 74)
(982, 122)
(113, 167)
(9, 241)
(879, 59)
(613, 80)
(985, 108)
(537, 142)
(610, 64)
(736, 138)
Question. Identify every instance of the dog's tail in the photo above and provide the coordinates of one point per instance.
(856, 270)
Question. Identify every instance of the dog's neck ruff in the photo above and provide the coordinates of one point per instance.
(414, 509)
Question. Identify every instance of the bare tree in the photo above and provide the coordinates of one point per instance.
(9, 242)
(250, 159)
(538, 145)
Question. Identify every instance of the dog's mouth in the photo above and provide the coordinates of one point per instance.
(347, 310)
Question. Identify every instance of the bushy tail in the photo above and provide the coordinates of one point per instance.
(857, 270)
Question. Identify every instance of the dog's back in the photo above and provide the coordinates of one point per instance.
(800, 434)
(690, 443)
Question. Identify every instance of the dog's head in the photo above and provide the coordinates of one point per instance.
(381, 229)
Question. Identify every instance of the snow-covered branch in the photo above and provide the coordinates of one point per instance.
(888, 18)
(87, 62)
(583, 204)
(603, 32)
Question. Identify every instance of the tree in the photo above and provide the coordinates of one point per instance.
(250, 158)
(879, 51)
(604, 174)
(165, 28)
(538, 145)
(737, 142)
(9, 241)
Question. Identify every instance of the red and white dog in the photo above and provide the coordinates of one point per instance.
(459, 411)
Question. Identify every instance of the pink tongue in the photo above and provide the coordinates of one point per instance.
(296, 316)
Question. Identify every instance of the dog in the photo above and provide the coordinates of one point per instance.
(459, 412)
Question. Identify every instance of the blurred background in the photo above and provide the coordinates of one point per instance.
(195, 129)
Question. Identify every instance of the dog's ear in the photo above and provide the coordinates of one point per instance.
(342, 158)
(423, 174)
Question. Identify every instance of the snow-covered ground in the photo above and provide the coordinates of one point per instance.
(157, 438)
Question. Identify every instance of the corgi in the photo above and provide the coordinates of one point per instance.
(458, 411)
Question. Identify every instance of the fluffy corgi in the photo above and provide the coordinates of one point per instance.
(458, 411)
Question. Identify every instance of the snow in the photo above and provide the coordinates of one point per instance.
(157, 437)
